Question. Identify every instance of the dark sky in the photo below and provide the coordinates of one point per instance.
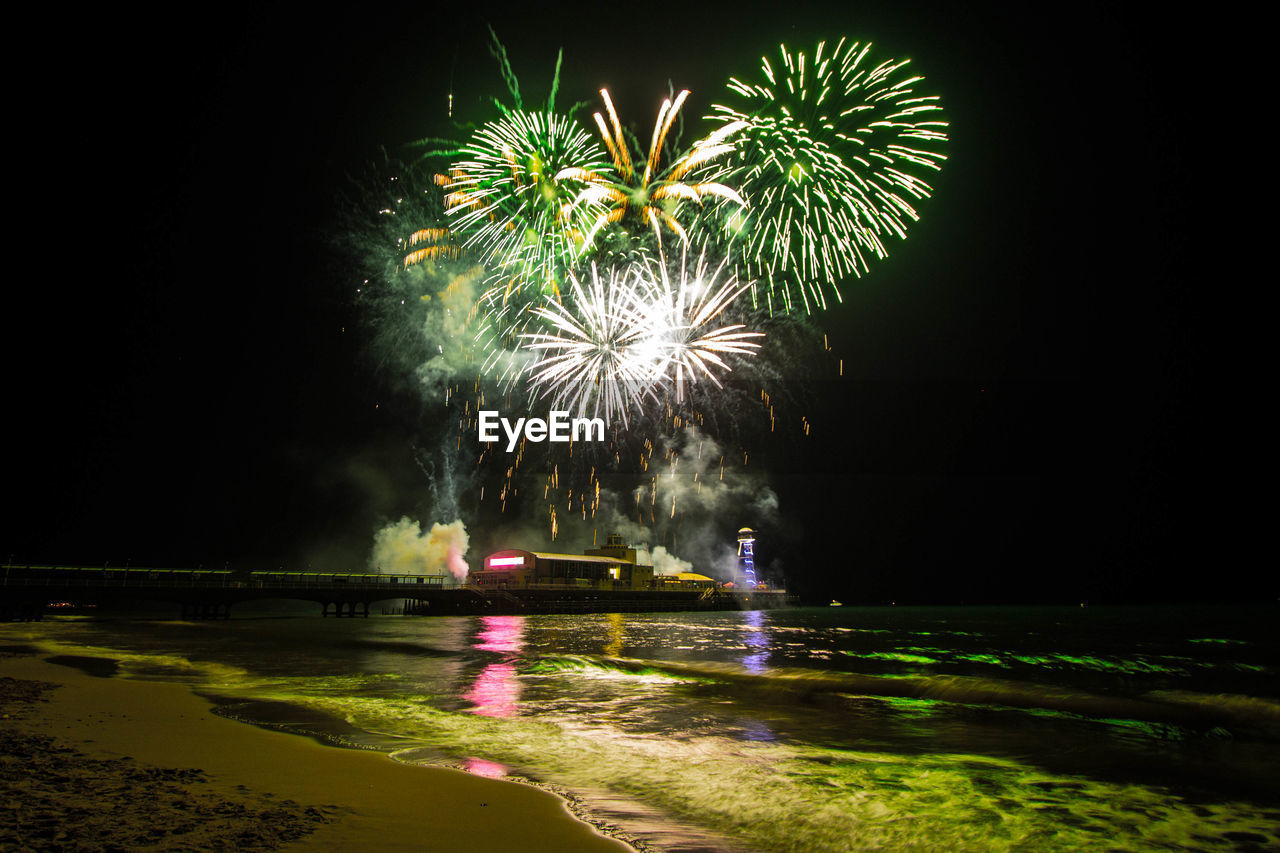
(1018, 418)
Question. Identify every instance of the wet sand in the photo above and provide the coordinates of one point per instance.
(99, 763)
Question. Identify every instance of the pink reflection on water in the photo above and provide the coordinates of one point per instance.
(480, 767)
(496, 693)
(501, 634)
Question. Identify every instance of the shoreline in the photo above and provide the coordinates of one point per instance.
(302, 794)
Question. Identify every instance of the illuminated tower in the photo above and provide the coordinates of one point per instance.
(746, 559)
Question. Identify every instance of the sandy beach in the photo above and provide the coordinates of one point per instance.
(91, 763)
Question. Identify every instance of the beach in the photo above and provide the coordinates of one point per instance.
(810, 730)
(94, 763)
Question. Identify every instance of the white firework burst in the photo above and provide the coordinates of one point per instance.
(595, 360)
(681, 314)
(636, 337)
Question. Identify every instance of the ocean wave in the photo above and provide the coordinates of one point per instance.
(1197, 711)
(403, 647)
(777, 796)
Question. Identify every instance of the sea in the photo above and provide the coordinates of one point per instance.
(805, 729)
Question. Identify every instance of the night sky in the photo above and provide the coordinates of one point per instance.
(187, 378)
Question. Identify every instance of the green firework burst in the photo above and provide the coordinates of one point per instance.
(507, 206)
(830, 162)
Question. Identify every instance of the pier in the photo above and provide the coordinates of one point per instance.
(29, 592)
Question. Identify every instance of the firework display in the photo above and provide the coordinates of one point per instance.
(553, 264)
(830, 148)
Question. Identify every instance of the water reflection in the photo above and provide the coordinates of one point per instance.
(496, 690)
(490, 769)
(756, 639)
(757, 730)
(614, 630)
(501, 634)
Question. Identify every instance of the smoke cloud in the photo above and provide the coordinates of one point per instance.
(442, 310)
(665, 563)
(402, 548)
